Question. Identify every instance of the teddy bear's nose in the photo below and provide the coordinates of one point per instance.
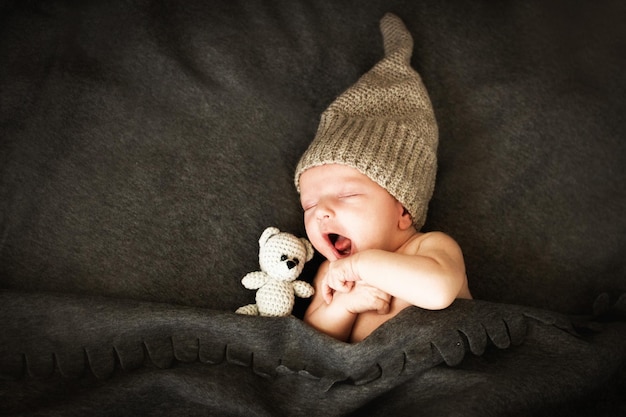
(293, 263)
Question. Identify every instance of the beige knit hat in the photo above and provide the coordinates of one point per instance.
(384, 127)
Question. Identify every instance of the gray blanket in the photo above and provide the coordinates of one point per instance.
(111, 357)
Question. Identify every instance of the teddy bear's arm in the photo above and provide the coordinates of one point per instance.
(254, 280)
(303, 289)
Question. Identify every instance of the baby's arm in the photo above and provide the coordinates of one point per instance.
(337, 317)
(428, 274)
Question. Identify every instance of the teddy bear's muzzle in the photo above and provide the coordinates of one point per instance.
(292, 263)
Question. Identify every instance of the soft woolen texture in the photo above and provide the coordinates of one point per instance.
(282, 257)
(384, 127)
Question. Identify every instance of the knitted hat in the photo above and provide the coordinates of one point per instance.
(384, 127)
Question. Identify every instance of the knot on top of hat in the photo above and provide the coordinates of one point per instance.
(397, 40)
(392, 89)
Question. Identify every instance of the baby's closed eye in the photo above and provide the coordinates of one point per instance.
(349, 196)
(308, 204)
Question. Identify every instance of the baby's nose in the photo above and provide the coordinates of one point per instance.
(324, 211)
(323, 216)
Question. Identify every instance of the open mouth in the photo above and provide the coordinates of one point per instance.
(342, 244)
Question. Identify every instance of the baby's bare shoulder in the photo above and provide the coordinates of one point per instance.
(429, 241)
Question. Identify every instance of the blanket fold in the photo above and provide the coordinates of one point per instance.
(98, 334)
(82, 340)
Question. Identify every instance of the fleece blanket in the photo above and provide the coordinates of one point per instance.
(107, 357)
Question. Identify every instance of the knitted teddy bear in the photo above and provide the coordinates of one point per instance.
(282, 257)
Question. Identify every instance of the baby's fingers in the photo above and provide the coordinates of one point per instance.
(383, 302)
(384, 307)
(346, 286)
(338, 284)
(327, 292)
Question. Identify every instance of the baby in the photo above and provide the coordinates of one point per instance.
(365, 183)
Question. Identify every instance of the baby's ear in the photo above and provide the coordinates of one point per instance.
(309, 248)
(406, 220)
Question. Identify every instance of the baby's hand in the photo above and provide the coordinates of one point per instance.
(362, 298)
(339, 277)
(343, 281)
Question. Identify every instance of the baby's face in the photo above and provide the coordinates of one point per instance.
(346, 212)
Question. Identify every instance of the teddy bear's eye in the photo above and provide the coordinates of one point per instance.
(283, 258)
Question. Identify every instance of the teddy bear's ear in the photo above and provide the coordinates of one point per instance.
(309, 248)
(267, 234)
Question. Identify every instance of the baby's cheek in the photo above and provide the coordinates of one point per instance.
(309, 226)
(315, 239)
